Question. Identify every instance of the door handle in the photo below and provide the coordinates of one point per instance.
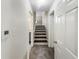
(55, 42)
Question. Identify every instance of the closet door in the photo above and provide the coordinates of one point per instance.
(71, 41)
(65, 35)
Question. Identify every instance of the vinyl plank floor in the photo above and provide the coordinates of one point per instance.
(41, 52)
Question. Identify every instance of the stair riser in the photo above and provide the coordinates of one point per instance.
(40, 35)
(40, 43)
(40, 31)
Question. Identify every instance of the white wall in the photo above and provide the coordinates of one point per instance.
(44, 18)
(38, 18)
(15, 18)
(50, 30)
(41, 18)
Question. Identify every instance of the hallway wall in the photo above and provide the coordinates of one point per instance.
(51, 30)
(15, 19)
(44, 18)
(41, 17)
(38, 18)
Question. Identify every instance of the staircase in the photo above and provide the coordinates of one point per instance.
(40, 35)
(40, 50)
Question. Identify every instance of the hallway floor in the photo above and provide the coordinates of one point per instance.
(41, 52)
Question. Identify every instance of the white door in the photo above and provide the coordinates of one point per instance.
(59, 35)
(65, 35)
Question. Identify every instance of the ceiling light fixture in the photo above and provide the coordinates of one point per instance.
(41, 2)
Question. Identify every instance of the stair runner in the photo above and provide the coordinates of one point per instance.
(40, 35)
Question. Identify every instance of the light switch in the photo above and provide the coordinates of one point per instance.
(6, 32)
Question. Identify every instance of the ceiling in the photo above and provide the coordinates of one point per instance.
(41, 5)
